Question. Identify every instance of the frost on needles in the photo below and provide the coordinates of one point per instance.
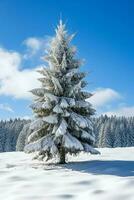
(62, 116)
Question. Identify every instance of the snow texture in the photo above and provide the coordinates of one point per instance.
(51, 97)
(89, 148)
(37, 105)
(61, 129)
(64, 103)
(46, 105)
(52, 119)
(42, 144)
(86, 135)
(72, 143)
(70, 101)
(36, 124)
(38, 91)
(81, 121)
(57, 109)
(82, 104)
(109, 176)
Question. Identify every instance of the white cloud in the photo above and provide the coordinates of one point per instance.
(14, 81)
(33, 44)
(103, 96)
(123, 111)
(9, 63)
(6, 107)
(103, 99)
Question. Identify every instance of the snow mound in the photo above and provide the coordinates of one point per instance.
(109, 176)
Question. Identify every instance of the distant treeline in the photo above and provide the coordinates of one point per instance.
(9, 132)
(114, 131)
(109, 131)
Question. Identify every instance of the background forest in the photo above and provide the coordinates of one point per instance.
(109, 131)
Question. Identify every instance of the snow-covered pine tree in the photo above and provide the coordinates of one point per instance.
(62, 116)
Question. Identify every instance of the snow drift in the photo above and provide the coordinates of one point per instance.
(109, 176)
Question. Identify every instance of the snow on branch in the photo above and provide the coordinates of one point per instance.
(82, 104)
(36, 106)
(88, 148)
(39, 92)
(36, 124)
(71, 73)
(80, 120)
(34, 146)
(46, 105)
(41, 105)
(57, 85)
(45, 144)
(57, 109)
(33, 135)
(61, 129)
(64, 103)
(87, 135)
(70, 101)
(51, 119)
(71, 143)
(51, 97)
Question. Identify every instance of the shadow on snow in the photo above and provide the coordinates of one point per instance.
(109, 167)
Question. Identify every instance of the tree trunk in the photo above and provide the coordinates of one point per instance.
(62, 156)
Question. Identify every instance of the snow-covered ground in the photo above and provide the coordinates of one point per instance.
(109, 176)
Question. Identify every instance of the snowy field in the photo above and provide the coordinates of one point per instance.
(109, 176)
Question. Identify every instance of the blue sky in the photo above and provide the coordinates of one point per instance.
(105, 39)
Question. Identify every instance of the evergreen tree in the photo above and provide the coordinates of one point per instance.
(9, 132)
(62, 116)
(101, 135)
(117, 142)
(23, 137)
